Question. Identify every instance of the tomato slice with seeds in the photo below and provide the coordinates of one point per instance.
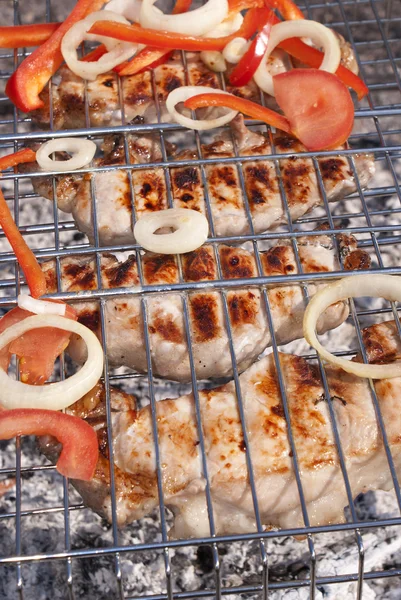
(318, 106)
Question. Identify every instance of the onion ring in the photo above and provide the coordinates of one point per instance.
(41, 307)
(191, 229)
(83, 151)
(196, 22)
(53, 396)
(375, 286)
(188, 91)
(129, 9)
(117, 53)
(235, 50)
(226, 27)
(322, 36)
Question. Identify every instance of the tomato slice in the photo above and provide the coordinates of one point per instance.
(318, 106)
(80, 451)
(36, 349)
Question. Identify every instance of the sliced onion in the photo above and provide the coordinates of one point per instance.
(117, 51)
(129, 9)
(214, 60)
(375, 286)
(235, 50)
(82, 150)
(196, 22)
(322, 37)
(53, 396)
(41, 307)
(188, 91)
(191, 229)
(226, 27)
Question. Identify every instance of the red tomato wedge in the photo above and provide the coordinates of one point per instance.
(80, 451)
(36, 349)
(318, 106)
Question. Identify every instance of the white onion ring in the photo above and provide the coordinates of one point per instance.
(117, 51)
(41, 307)
(53, 396)
(188, 91)
(226, 27)
(322, 37)
(214, 60)
(235, 50)
(191, 231)
(375, 286)
(196, 22)
(82, 150)
(129, 9)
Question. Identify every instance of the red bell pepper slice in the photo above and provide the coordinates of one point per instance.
(27, 261)
(26, 83)
(287, 8)
(22, 156)
(36, 349)
(80, 451)
(245, 106)
(181, 6)
(236, 6)
(95, 54)
(147, 58)
(20, 36)
(165, 39)
(245, 69)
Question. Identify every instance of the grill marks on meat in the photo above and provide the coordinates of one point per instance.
(229, 204)
(208, 329)
(182, 476)
(103, 96)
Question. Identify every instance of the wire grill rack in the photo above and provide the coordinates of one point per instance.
(373, 216)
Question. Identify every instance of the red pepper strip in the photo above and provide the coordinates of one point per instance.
(25, 85)
(236, 6)
(95, 54)
(245, 106)
(33, 273)
(313, 58)
(27, 261)
(22, 156)
(147, 58)
(21, 36)
(287, 8)
(165, 39)
(181, 6)
(245, 69)
(150, 57)
(80, 451)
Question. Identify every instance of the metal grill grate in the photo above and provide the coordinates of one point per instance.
(372, 216)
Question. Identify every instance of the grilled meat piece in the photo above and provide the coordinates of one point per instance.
(116, 198)
(272, 459)
(166, 324)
